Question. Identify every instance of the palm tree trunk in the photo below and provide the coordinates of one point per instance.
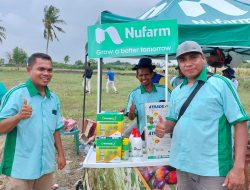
(47, 45)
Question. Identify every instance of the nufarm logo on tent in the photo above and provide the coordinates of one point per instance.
(111, 31)
(130, 32)
(195, 8)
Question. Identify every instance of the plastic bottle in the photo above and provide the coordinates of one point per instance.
(136, 145)
(125, 149)
(131, 136)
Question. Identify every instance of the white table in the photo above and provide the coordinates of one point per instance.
(90, 162)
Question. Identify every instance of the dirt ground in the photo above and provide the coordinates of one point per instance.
(66, 178)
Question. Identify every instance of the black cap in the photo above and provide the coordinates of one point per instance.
(144, 63)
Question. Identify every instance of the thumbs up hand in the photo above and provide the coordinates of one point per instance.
(26, 110)
(160, 128)
(132, 108)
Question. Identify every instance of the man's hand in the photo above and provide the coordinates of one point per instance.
(132, 110)
(61, 162)
(26, 111)
(122, 110)
(235, 179)
(160, 128)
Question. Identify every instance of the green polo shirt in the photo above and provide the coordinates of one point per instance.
(29, 150)
(3, 90)
(201, 142)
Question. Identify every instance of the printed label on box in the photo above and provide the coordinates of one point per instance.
(156, 147)
(110, 116)
(108, 149)
(109, 129)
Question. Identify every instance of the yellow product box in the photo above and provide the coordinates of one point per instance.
(108, 149)
(109, 129)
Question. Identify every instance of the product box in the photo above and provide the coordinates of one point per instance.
(109, 128)
(110, 116)
(156, 147)
(108, 149)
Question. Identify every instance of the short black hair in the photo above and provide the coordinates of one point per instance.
(34, 56)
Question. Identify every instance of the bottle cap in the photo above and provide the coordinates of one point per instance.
(133, 131)
(137, 134)
(125, 141)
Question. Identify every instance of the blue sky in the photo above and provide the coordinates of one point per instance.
(24, 27)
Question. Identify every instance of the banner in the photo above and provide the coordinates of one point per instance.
(132, 39)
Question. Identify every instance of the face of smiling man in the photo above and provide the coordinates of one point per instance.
(191, 65)
(40, 73)
(144, 76)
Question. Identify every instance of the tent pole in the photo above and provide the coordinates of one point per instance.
(166, 78)
(99, 84)
(84, 91)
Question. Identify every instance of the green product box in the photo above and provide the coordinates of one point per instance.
(110, 116)
(108, 149)
(108, 141)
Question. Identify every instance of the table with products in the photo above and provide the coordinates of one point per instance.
(135, 173)
(90, 161)
(110, 165)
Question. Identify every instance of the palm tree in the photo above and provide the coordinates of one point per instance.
(66, 59)
(2, 33)
(51, 21)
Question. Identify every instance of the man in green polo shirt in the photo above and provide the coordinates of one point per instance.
(30, 116)
(145, 93)
(201, 147)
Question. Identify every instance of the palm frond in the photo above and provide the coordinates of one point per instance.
(51, 21)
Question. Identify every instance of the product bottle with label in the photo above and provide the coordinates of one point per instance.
(131, 136)
(136, 145)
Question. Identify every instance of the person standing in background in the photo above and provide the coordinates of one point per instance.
(178, 79)
(110, 75)
(88, 74)
(229, 73)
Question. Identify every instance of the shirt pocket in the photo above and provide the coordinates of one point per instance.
(52, 120)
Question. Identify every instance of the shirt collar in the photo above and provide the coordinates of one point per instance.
(143, 90)
(33, 90)
(201, 77)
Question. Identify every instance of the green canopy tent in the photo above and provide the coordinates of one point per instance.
(211, 23)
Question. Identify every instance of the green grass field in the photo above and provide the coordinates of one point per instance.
(68, 86)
